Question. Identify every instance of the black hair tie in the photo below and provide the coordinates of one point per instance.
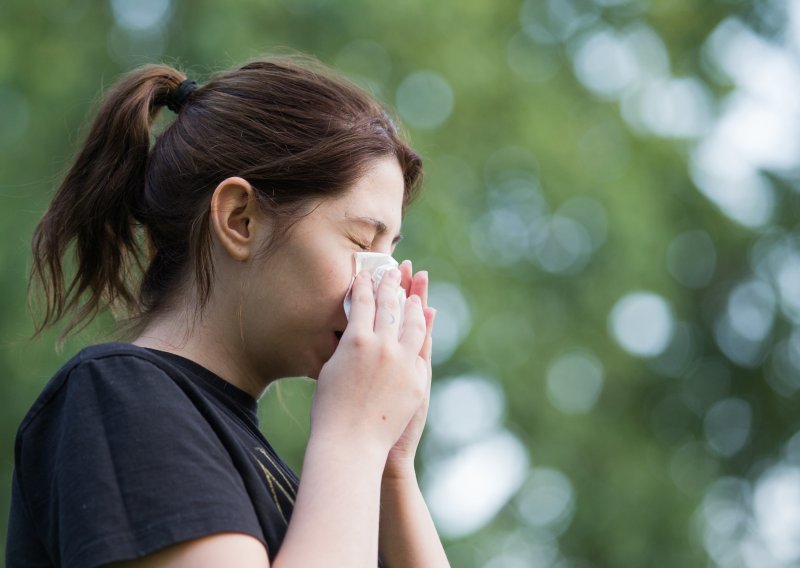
(177, 98)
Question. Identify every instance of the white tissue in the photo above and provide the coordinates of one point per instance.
(377, 264)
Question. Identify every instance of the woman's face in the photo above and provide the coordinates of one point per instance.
(292, 309)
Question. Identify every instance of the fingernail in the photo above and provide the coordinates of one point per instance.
(394, 275)
(414, 299)
(424, 273)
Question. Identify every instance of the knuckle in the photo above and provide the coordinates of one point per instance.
(363, 297)
(389, 302)
(360, 340)
(414, 330)
(419, 324)
(418, 392)
(385, 351)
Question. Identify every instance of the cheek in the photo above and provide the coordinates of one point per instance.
(318, 288)
(314, 287)
(336, 278)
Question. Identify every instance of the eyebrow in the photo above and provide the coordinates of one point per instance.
(379, 226)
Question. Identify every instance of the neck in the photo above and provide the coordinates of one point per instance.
(204, 342)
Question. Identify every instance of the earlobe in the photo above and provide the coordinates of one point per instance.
(233, 213)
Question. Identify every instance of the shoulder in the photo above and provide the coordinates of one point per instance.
(116, 406)
(107, 373)
(117, 460)
(114, 357)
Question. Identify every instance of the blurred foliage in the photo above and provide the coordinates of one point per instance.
(545, 206)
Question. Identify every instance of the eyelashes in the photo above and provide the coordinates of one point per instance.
(360, 244)
(366, 247)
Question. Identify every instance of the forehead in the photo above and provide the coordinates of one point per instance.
(378, 194)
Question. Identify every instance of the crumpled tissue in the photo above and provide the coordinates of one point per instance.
(377, 264)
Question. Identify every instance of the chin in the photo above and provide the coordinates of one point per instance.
(312, 367)
(310, 373)
(309, 363)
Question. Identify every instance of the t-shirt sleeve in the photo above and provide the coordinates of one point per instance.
(133, 467)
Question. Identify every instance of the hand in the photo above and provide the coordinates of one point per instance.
(375, 381)
(400, 462)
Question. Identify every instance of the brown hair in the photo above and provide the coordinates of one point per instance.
(137, 213)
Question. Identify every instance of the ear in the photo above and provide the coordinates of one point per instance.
(234, 217)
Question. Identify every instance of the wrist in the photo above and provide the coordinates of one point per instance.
(345, 448)
(399, 470)
(399, 483)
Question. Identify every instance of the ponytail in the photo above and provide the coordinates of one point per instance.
(95, 207)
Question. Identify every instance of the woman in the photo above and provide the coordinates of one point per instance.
(229, 246)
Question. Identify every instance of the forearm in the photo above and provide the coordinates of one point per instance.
(335, 518)
(408, 537)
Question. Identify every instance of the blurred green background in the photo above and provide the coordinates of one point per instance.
(610, 221)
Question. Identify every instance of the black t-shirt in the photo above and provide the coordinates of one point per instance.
(130, 450)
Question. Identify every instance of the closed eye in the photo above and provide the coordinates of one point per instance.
(362, 246)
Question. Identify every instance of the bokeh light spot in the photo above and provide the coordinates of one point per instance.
(642, 323)
(453, 320)
(425, 99)
(547, 500)
(554, 21)
(751, 309)
(670, 108)
(560, 245)
(747, 321)
(727, 426)
(466, 490)
(464, 409)
(605, 63)
(140, 15)
(776, 505)
(574, 382)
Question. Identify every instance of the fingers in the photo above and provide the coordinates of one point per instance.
(414, 283)
(406, 276)
(419, 286)
(362, 304)
(415, 328)
(387, 315)
(427, 346)
(382, 313)
(426, 352)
